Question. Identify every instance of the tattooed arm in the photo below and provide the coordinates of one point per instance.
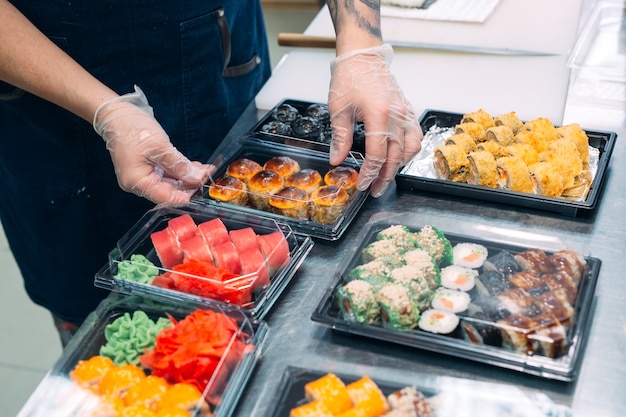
(357, 24)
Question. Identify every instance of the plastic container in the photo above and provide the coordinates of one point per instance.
(535, 324)
(60, 394)
(344, 205)
(443, 396)
(253, 289)
(602, 141)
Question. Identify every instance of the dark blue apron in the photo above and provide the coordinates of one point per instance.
(199, 63)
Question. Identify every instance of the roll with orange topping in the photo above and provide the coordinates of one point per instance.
(243, 169)
(291, 202)
(306, 179)
(342, 176)
(282, 165)
(229, 190)
(328, 203)
(261, 186)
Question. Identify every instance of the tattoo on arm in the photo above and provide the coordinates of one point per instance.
(365, 13)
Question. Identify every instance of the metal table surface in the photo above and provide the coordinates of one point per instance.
(599, 388)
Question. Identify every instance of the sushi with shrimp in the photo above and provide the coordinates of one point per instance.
(357, 302)
(436, 244)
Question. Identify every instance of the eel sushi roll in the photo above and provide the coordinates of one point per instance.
(282, 165)
(515, 330)
(344, 177)
(474, 129)
(457, 277)
(243, 169)
(397, 309)
(262, 186)
(479, 116)
(357, 302)
(470, 255)
(463, 140)
(569, 261)
(436, 244)
(331, 391)
(511, 120)
(546, 179)
(450, 163)
(502, 134)
(562, 280)
(503, 262)
(550, 337)
(306, 179)
(438, 321)
(229, 190)
(574, 133)
(534, 260)
(483, 169)
(367, 397)
(480, 330)
(454, 301)
(513, 174)
(376, 272)
(423, 265)
(291, 202)
(527, 280)
(328, 203)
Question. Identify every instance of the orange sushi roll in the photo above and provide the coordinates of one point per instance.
(464, 140)
(229, 190)
(483, 169)
(89, 372)
(331, 391)
(576, 134)
(514, 175)
(243, 169)
(547, 180)
(312, 409)
(282, 165)
(450, 163)
(502, 134)
(523, 150)
(367, 396)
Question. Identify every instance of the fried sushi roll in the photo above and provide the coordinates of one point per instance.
(306, 179)
(502, 134)
(463, 140)
(494, 148)
(262, 186)
(523, 150)
(543, 127)
(229, 190)
(397, 309)
(328, 203)
(546, 179)
(513, 174)
(474, 129)
(291, 202)
(479, 116)
(450, 163)
(243, 169)
(533, 139)
(342, 176)
(331, 391)
(282, 165)
(565, 157)
(577, 135)
(511, 120)
(357, 302)
(483, 169)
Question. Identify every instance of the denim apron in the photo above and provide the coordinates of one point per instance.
(200, 63)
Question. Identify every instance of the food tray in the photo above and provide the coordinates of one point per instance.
(445, 395)
(59, 394)
(256, 299)
(555, 356)
(317, 138)
(260, 151)
(603, 141)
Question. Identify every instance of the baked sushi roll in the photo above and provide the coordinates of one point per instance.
(342, 176)
(483, 169)
(511, 120)
(513, 174)
(331, 391)
(282, 165)
(463, 140)
(306, 179)
(433, 241)
(291, 202)
(262, 186)
(450, 163)
(243, 169)
(525, 151)
(502, 134)
(328, 203)
(574, 133)
(229, 190)
(438, 321)
(479, 116)
(357, 302)
(546, 179)
(474, 129)
(397, 309)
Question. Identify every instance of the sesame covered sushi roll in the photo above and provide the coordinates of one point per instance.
(450, 300)
(262, 186)
(397, 309)
(419, 286)
(450, 163)
(513, 174)
(282, 165)
(423, 265)
(470, 255)
(458, 277)
(434, 241)
(328, 203)
(385, 250)
(291, 202)
(501, 134)
(357, 302)
(511, 120)
(438, 321)
(463, 140)
(229, 190)
(483, 169)
(342, 176)
(377, 273)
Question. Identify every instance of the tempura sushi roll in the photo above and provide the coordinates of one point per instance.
(328, 203)
(543, 127)
(457, 277)
(450, 163)
(368, 397)
(565, 157)
(479, 116)
(291, 202)
(546, 179)
(574, 133)
(524, 151)
(397, 309)
(483, 169)
(450, 300)
(262, 186)
(306, 179)
(342, 176)
(434, 241)
(474, 129)
(438, 321)
(501, 134)
(282, 165)
(533, 139)
(494, 148)
(463, 140)
(357, 302)
(509, 119)
(229, 190)
(513, 174)
(331, 391)
(470, 255)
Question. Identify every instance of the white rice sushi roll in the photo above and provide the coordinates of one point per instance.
(438, 321)
(454, 301)
(471, 255)
(456, 277)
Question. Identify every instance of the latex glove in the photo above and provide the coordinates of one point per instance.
(362, 88)
(146, 163)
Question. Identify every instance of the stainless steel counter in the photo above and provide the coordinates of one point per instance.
(600, 386)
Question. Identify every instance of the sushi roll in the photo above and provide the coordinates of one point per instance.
(515, 300)
(483, 169)
(357, 302)
(397, 309)
(457, 277)
(344, 177)
(546, 179)
(511, 120)
(574, 133)
(450, 163)
(291, 202)
(463, 140)
(534, 260)
(306, 179)
(229, 190)
(376, 272)
(438, 321)
(494, 148)
(526, 280)
(408, 401)
(562, 280)
(385, 250)
(543, 127)
(328, 203)
(311, 409)
(480, 330)
(513, 174)
(570, 262)
(262, 186)
(470, 255)
(479, 116)
(503, 262)
(454, 301)
(331, 391)
(282, 165)
(436, 244)
(419, 286)
(494, 282)
(501, 134)
(550, 337)
(474, 129)
(524, 151)
(368, 397)
(515, 330)
(555, 303)
(243, 169)
(401, 236)
(423, 265)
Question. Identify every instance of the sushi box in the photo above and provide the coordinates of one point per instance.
(253, 177)
(513, 299)
(198, 253)
(437, 125)
(115, 361)
(302, 389)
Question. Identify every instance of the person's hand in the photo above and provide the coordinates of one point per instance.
(146, 163)
(363, 89)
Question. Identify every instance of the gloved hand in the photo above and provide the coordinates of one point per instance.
(146, 163)
(363, 89)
